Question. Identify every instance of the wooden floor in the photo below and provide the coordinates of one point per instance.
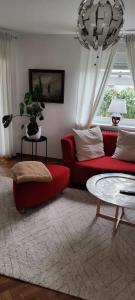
(11, 289)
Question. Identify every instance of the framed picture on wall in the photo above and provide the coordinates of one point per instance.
(51, 82)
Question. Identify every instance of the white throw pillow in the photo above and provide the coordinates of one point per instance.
(125, 147)
(89, 143)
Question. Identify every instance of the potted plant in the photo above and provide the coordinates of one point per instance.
(32, 107)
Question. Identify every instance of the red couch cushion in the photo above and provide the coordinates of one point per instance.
(81, 171)
(109, 140)
(107, 163)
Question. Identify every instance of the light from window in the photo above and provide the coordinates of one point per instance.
(121, 92)
(120, 85)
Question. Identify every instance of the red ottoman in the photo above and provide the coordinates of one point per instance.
(30, 194)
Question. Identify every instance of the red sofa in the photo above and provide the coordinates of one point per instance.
(29, 194)
(80, 171)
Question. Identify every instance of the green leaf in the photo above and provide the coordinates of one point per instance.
(36, 108)
(22, 106)
(29, 110)
(6, 120)
(28, 99)
(41, 117)
(42, 104)
(38, 91)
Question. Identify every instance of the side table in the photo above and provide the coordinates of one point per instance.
(42, 139)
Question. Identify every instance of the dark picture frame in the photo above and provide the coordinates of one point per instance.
(52, 82)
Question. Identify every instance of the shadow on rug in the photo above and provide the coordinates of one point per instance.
(63, 247)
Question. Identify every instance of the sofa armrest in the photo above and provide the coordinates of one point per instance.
(68, 150)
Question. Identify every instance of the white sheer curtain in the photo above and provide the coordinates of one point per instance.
(130, 44)
(94, 73)
(7, 48)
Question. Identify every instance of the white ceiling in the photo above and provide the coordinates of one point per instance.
(49, 16)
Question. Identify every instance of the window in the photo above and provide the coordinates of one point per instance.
(120, 85)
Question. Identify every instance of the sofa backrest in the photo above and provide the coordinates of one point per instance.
(110, 140)
(69, 151)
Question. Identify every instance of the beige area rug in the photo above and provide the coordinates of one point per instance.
(62, 247)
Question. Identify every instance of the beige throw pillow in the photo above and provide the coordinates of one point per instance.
(31, 171)
(89, 143)
(125, 147)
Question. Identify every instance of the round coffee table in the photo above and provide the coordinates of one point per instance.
(109, 188)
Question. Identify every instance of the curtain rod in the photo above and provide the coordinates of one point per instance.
(11, 33)
(130, 31)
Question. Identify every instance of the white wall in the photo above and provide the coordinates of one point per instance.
(48, 52)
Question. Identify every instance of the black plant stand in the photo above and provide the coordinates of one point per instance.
(42, 139)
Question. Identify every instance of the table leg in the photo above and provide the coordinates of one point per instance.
(32, 150)
(123, 211)
(36, 152)
(116, 220)
(46, 150)
(21, 149)
(98, 207)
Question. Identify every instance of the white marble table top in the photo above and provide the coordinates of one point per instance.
(107, 186)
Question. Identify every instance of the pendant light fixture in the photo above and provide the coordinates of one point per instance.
(99, 23)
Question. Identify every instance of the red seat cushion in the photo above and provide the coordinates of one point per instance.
(29, 194)
(81, 171)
